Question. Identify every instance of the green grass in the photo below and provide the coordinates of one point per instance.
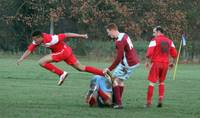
(29, 91)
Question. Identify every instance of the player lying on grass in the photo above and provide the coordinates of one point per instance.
(60, 51)
(100, 92)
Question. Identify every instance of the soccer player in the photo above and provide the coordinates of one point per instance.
(100, 92)
(158, 53)
(126, 61)
(60, 52)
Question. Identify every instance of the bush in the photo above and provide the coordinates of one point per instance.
(102, 49)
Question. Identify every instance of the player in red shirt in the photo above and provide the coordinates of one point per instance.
(158, 53)
(60, 52)
(126, 61)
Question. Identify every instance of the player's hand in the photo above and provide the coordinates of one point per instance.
(147, 65)
(85, 36)
(105, 70)
(19, 61)
(108, 75)
(171, 66)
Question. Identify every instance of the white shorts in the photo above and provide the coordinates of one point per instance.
(124, 72)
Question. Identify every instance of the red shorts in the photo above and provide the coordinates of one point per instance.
(158, 72)
(64, 55)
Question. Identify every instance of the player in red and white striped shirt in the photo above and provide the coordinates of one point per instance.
(126, 61)
(158, 53)
(60, 52)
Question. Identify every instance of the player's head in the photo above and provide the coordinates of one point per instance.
(112, 30)
(37, 37)
(157, 31)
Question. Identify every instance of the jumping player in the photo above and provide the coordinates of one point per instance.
(126, 61)
(158, 53)
(60, 52)
(100, 92)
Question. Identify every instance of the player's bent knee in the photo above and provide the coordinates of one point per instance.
(41, 63)
(162, 83)
(151, 84)
(117, 82)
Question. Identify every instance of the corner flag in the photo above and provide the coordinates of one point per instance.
(184, 39)
(182, 43)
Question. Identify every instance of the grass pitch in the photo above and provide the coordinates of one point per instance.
(29, 91)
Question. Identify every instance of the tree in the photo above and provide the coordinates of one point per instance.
(96, 14)
(136, 17)
(29, 15)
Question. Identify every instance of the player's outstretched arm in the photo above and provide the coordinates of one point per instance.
(24, 56)
(74, 35)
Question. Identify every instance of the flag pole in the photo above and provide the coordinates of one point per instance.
(178, 56)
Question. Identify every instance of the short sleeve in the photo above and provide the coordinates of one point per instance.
(32, 46)
(62, 37)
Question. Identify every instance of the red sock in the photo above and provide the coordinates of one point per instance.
(93, 70)
(121, 90)
(161, 89)
(116, 91)
(150, 94)
(103, 95)
(52, 68)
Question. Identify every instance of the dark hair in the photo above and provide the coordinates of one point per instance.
(36, 33)
(112, 26)
(159, 28)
